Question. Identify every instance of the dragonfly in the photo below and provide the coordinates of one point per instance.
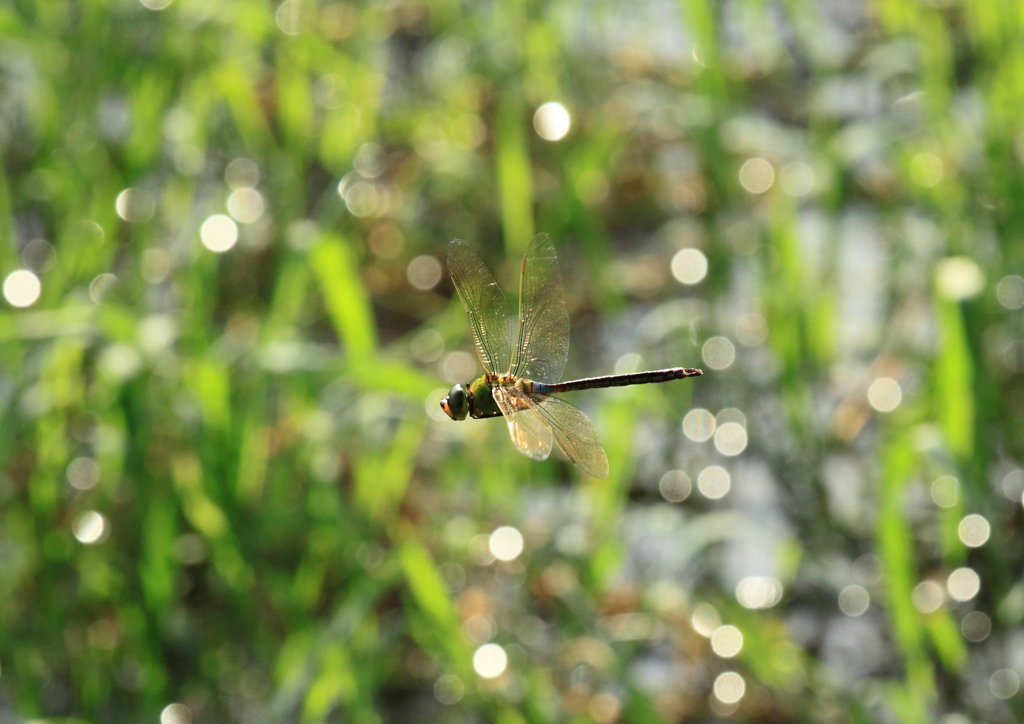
(523, 363)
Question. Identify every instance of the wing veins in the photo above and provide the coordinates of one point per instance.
(543, 334)
(490, 320)
(575, 434)
(529, 431)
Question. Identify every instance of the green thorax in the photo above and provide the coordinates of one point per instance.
(483, 404)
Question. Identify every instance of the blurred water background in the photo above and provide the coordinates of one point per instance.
(228, 492)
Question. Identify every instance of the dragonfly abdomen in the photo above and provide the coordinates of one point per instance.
(636, 378)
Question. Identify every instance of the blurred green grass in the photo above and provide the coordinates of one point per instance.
(225, 482)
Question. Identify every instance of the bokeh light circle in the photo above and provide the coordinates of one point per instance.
(22, 288)
(727, 641)
(449, 689)
(689, 266)
(705, 619)
(604, 707)
(427, 345)
(242, 173)
(83, 473)
(714, 482)
(759, 592)
(479, 628)
(927, 596)
(155, 265)
(370, 160)
(101, 286)
(752, 329)
(885, 394)
(506, 543)
(490, 661)
(176, 714)
(1010, 291)
(731, 439)
(976, 626)
(39, 256)
(675, 486)
(729, 687)
(246, 205)
(974, 530)
(423, 272)
(628, 364)
(219, 233)
(718, 353)
(867, 569)
(699, 425)
(757, 175)
(134, 205)
(1004, 683)
(963, 584)
(958, 278)
(365, 199)
(552, 121)
(289, 17)
(945, 491)
(854, 600)
(1013, 484)
(89, 527)
(458, 367)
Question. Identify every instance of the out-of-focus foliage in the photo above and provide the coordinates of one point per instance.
(228, 493)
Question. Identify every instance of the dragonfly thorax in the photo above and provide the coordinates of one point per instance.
(471, 400)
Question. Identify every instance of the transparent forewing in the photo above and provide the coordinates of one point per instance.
(530, 434)
(543, 340)
(574, 433)
(489, 317)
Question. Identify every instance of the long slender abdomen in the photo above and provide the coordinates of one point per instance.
(637, 378)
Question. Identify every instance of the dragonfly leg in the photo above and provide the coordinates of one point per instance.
(485, 415)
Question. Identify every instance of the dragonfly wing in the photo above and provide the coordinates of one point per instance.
(543, 340)
(489, 317)
(529, 432)
(574, 433)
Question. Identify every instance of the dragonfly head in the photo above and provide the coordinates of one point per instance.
(456, 404)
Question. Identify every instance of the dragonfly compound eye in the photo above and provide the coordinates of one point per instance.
(456, 404)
